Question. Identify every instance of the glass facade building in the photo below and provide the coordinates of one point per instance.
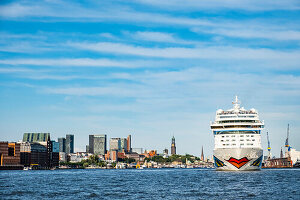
(97, 144)
(115, 144)
(55, 146)
(62, 144)
(69, 143)
(123, 144)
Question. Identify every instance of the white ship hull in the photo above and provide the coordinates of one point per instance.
(238, 159)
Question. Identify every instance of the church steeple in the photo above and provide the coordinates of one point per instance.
(173, 146)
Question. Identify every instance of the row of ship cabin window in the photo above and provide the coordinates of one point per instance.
(240, 140)
(240, 136)
(239, 116)
(251, 144)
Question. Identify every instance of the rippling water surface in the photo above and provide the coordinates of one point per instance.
(150, 184)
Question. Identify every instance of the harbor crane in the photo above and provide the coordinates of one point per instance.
(287, 146)
(269, 147)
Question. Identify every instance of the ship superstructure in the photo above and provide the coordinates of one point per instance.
(237, 134)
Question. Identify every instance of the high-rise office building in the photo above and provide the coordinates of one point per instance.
(62, 144)
(129, 143)
(69, 143)
(173, 146)
(97, 144)
(124, 144)
(115, 144)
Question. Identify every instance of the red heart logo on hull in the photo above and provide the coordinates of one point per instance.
(238, 163)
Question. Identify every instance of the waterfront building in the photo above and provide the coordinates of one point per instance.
(10, 155)
(115, 144)
(39, 156)
(166, 151)
(137, 150)
(129, 143)
(113, 155)
(54, 154)
(121, 156)
(87, 148)
(69, 143)
(62, 157)
(173, 146)
(97, 144)
(42, 154)
(62, 144)
(79, 156)
(123, 144)
(25, 153)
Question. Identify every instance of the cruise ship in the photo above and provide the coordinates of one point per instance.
(237, 134)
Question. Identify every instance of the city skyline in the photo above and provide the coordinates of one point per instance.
(151, 69)
(100, 140)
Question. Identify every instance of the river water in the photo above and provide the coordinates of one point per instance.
(150, 184)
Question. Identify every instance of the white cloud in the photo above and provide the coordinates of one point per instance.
(153, 36)
(245, 28)
(108, 36)
(161, 37)
(15, 70)
(250, 5)
(70, 62)
(26, 47)
(107, 10)
(190, 82)
(94, 91)
(283, 35)
(65, 12)
(17, 10)
(211, 52)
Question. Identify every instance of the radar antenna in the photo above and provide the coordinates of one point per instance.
(236, 104)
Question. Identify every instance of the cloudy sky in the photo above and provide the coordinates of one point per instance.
(149, 68)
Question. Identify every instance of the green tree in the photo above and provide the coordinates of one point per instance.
(85, 164)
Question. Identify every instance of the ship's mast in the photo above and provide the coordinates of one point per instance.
(236, 104)
(269, 147)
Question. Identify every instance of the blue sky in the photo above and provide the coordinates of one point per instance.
(148, 68)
